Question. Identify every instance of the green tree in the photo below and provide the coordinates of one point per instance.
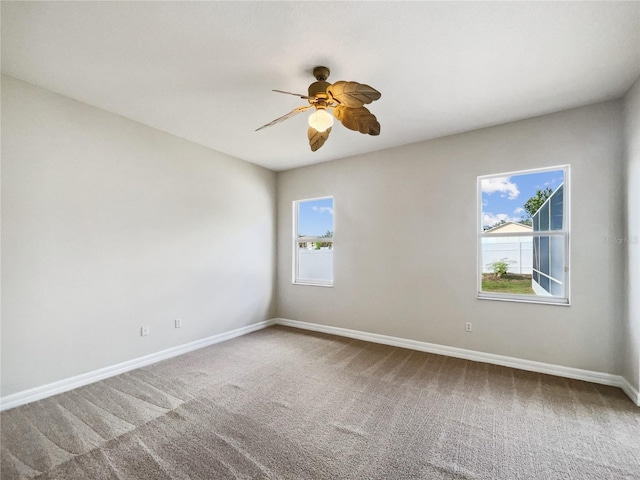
(329, 234)
(534, 203)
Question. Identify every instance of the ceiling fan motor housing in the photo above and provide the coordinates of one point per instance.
(319, 89)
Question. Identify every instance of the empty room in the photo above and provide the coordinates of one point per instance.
(320, 240)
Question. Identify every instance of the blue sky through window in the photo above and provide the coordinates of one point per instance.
(315, 217)
(503, 198)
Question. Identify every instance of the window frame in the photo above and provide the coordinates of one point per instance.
(565, 232)
(295, 279)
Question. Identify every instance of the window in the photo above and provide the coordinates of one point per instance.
(313, 241)
(523, 236)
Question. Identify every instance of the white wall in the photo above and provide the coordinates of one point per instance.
(424, 287)
(631, 332)
(108, 225)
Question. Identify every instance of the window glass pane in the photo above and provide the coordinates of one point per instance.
(544, 283)
(551, 279)
(507, 265)
(544, 217)
(514, 259)
(536, 253)
(544, 255)
(314, 241)
(557, 289)
(557, 258)
(556, 208)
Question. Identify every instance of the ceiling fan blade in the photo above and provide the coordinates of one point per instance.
(359, 119)
(292, 113)
(352, 94)
(294, 94)
(316, 138)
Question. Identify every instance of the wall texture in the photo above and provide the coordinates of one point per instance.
(631, 333)
(108, 225)
(417, 204)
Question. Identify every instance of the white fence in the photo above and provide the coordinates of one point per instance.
(518, 251)
(318, 264)
(315, 264)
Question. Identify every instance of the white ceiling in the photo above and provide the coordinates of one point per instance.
(204, 70)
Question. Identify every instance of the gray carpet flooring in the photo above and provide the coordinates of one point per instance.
(283, 403)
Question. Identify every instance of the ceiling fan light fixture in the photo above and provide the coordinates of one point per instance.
(347, 102)
(321, 120)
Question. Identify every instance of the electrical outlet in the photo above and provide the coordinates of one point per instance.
(468, 327)
(144, 331)
(178, 323)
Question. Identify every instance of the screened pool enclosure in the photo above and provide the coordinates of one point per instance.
(548, 250)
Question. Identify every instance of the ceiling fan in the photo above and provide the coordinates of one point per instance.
(345, 99)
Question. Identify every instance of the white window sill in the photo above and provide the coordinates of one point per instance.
(562, 302)
(312, 283)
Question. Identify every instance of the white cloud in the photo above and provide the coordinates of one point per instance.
(489, 219)
(503, 185)
(323, 210)
(519, 211)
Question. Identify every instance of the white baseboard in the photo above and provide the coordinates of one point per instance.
(44, 391)
(529, 365)
(629, 389)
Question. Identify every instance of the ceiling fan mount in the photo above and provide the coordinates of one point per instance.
(345, 99)
(321, 73)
